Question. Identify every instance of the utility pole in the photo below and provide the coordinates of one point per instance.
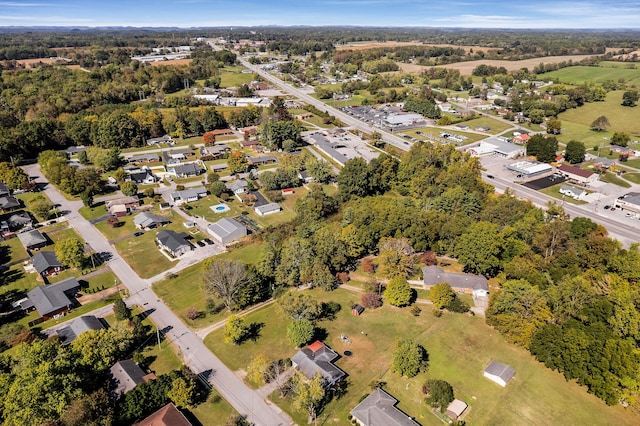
(158, 335)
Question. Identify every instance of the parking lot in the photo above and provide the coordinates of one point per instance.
(545, 182)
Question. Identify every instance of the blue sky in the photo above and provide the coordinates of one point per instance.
(422, 13)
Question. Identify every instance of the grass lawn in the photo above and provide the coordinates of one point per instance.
(612, 178)
(496, 126)
(459, 349)
(89, 213)
(214, 411)
(622, 119)
(435, 131)
(63, 234)
(234, 78)
(125, 227)
(632, 177)
(142, 254)
(100, 282)
(249, 254)
(635, 163)
(12, 250)
(554, 191)
(17, 280)
(581, 74)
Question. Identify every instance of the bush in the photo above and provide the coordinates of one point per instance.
(193, 314)
(368, 265)
(213, 307)
(437, 312)
(179, 187)
(428, 258)
(371, 300)
(343, 277)
(415, 310)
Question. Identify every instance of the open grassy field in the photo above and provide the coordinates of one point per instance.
(233, 76)
(466, 68)
(612, 178)
(599, 74)
(622, 119)
(459, 349)
(497, 126)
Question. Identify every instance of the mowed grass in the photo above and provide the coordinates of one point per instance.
(459, 347)
(581, 74)
(622, 119)
(496, 126)
(232, 77)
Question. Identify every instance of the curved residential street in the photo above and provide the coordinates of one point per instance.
(192, 350)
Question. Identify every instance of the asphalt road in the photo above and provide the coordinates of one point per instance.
(191, 348)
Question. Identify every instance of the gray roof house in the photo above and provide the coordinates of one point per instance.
(4, 189)
(154, 141)
(8, 203)
(379, 409)
(318, 358)
(174, 243)
(146, 220)
(572, 192)
(476, 284)
(19, 219)
(53, 299)
(237, 186)
(185, 170)
(46, 263)
(265, 209)
(499, 373)
(127, 375)
(226, 230)
(32, 239)
(189, 194)
(77, 326)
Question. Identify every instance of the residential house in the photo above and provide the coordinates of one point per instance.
(226, 231)
(168, 415)
(522, 138)
(122, 206)
(173, 243)
(222, 132)
(468, 283)
(261, 161)
(214, 152)
(188, 195)
(77, 326)
(74, 150)
(32, 240)
(219, 167)
(318, 358)
(143, 176)
(603, 163)
(9, 203)
(575, 193)
(624, 150)
(177, 156)
(126, 375)
(238, 186)
(578, 175)
(4, 190)
(266, 209)
(146, 221)
(304, 116)
(456, 408)
(499, 373)
(379, 409)
(252, 144)
(151, 157)
(18, 220)
(185, 170)
(54, 299)
(46, 263)
(161, 139)
(258, 85)
(305, 176)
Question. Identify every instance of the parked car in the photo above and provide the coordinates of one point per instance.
(208, 241)
(200, 243)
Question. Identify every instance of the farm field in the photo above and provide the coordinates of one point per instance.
(372, 45)
(581, 74)
(466, 68)
(459, 349)
(622, 119)
(173, 62)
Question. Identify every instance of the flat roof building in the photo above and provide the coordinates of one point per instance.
(529, 169)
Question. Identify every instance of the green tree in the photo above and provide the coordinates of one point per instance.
(308, 394)
(554, 126)
(630, 98)
(300, 331)
(217, 188)
(118, 129)
(182, 392)
(97, 350)
(600, 124)
(396, 257)
(225, 279)
(353, 180)
(480, 248)
(320, 170)
(298, 305)
(237, 162)
(441, 295)
(41, 207)
(14, 177)
(235, 330)
(398, 292)
(409, 358)
(129, 188)
(70, 252)
(439, 394)
(257, 369)
(121, 311)
(620, 139)
(575, 152)
(544, 148)
(83, 158)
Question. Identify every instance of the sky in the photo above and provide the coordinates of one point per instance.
(559, 14)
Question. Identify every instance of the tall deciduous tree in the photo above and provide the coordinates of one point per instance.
(298, 306)
(630, 98)
(129, 188)
(409, 358)
(479, 249)
(235, 330)
(439, 393)
(225, 279)
(70, 251)
(575, 152)
(600, 124)
(353, 180)
(300, 331)
(396, 258)
(307, 394)
(398, 292)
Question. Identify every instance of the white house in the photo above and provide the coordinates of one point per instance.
(188, 195)
(266, 209)
(499, 373)
(575, 193)
(225, 231)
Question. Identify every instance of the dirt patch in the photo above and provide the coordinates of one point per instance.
(466, 68)
(174, 62)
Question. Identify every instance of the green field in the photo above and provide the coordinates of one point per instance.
(599, 74)
(496, 126)
(233, 77)
(622, 119)
(459, 349)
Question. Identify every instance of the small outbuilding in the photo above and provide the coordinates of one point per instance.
(357, 310)
(456, 408)
(499, 373)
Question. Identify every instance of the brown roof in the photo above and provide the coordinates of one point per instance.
(168, 415)
(575, 171)
(222, 131)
